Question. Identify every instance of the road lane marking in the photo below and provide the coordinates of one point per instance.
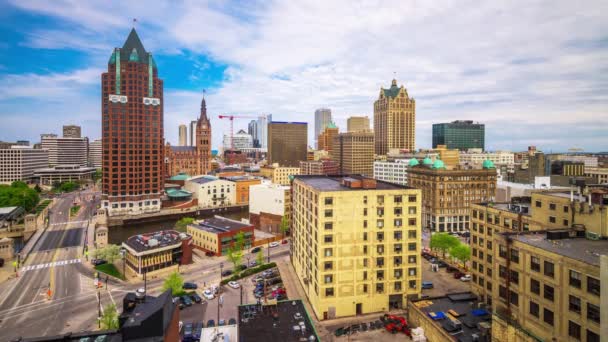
(50, 264)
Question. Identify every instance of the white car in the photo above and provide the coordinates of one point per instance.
(208, 294)
(466, 277)
(273, 244)
(234, 284)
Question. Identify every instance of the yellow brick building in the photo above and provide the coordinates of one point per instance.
(279, 174)
(356, 244)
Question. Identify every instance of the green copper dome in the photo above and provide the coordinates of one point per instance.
(427, 161)
(438, 164)
(488, 164)
(331, 125)
(413, 162)
(291, 178)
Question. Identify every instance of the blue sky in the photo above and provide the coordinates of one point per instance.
(535, 72)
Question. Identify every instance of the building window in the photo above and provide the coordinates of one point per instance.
(411, 246)
(329, 265)
(538, 204)
(565, 222)
(502, 292)
(574, 304)
(329, 200)
(552, 219)
(411, 221)
(502, 271)
(552, 206)
(593, 286)
(548, 316)
(592, 337)
(397, 286)
(566, 208)
(397, 211)
(380, 223)
(502, 251)
(593, 312)
(549, 269)
(398, 222)
(329, 292)
(329, 213)
(534, 309)
(329, 279)
(411, 210)
(411, 234)
(329, 226)
(411, 198)
(535, 286)
(515, 256)
(535, 264)
(328, 238)
(574, 330)
(380, 211)
(514, 277)
(549, 292)
(380, 236)
(398, 199)
(575, 279)
(329, 252)
(397, 235)
(379, 288)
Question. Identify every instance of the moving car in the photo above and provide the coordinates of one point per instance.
(427, 285)
(253, 263)
(273, 244)
(208, 294)
(466, 277)
(98, 262)
(255, 250)
(196, 298)
(234, 284)
(189, 286)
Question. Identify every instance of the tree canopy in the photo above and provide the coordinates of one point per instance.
(109, 253)
(443, 242)
(65, 186)
(182, 224)
(260, 257)
(18, 194)
(175, 283)
(109, 319)
(235, 252)
(461, 252)
(284, 225)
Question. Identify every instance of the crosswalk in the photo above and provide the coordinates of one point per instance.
(50, 264)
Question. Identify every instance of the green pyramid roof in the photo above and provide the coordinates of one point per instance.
(488, 164)
(427, 161)
(331, 125)
(413, 162)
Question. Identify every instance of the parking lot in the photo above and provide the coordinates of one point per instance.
(443, 282)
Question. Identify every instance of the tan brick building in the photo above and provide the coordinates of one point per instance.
(326, 138)
(394, 120)
(447, 195)
(354, 152)
(357, 123)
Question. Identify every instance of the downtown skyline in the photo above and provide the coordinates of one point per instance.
(538, 80)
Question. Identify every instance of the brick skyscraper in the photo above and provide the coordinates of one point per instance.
(132, 131)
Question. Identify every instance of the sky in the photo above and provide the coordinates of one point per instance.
(535, 72)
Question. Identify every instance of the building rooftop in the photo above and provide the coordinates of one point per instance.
(203, 179)
(286, 321)
(180, 177)
(287, 122)
(464, 305)
(10, 213)
(577, 248)
(155, 240)
(564, 194)
(335, 183)
(518, 208)
(178, 193)
(219, 225)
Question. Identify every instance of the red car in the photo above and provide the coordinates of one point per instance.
(458, 275)
(284, 242)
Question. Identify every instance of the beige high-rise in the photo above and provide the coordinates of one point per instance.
(357, 123)
(394, 120)
(354, 152)
(183, 135)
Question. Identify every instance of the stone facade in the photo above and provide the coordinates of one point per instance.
(394, 120)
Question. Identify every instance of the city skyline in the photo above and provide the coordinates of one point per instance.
(541, 78)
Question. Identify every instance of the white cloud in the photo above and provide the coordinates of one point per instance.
(536, 64)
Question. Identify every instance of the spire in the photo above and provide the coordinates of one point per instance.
(394, 82)
(133, 46)
(203, 117)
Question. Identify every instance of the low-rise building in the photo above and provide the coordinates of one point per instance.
(391, 171)
(211, 192)
(598, 174)
(18, 163)
(10, 217)
(279, 174)
(269, 203)
(293, 323)
(475, 159)
(95, 153)
(356, 244)
(158, 251)
(242, 185)
(319, 167)
(218, 234)
(448, 194)
(64, 173)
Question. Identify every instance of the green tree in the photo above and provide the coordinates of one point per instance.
(97, 175)
(461, 252)
(65, 186)
(175, 283)
(235, 257)
(18, 194)
(443, 242)
(110, 253)
(182, 224)
(284, 226)
(109, 319)
(260, 257)
(239, 241)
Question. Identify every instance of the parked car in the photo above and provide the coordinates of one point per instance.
(196, 333)
(177, 300)
(209, 254)
(196, 298)
(427, 285)
(257, 279)
(208, 294)
(253, 263)
(189, 286)
(451, 269)
(98, 262)
(188, 328)
(186, 300)
(284, 242)
(232, 321)
(466, 277)
(256, 249)
(222, 322)
(458, 275)
(234, 284)
(215, 289)
(210, 323)
(226, 273)
(273, 244)
(442, 263)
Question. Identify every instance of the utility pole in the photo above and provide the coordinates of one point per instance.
(98, 308)
(218, 297)
(268, 252)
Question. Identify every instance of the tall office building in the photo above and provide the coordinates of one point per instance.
(448, 194)
(459, 134)
(95, 153)
(183, 135)
(287, 143)
(322, 119)
(252, 129)
(356, 244)
(193, 124)
(132, 131)
(354, 152)
(394, 120)
(325, 140)
(357, 123)
(65, 151)
(18, 163)
(71, 131)
(262, 128)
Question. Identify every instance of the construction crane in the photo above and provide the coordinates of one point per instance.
(231, 118)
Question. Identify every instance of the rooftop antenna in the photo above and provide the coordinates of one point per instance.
(134, 22)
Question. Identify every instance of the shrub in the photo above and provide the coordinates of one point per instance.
(248, 272)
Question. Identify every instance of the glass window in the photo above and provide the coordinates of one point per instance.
(549, 269)
(548, 316)
(549, 292)
(575, 279)
(574, 304)
(534, 309)
(534, 286)
(593, 286)
(574, 330)
(593, 312)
